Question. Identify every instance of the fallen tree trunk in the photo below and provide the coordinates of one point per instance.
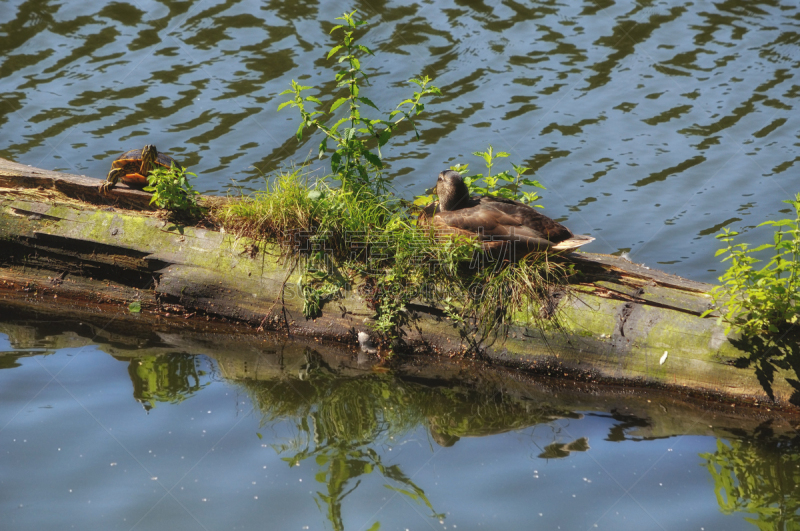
(62, 239)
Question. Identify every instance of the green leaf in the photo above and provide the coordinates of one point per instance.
(338, 103)
(340, 122)
(334, 49)
(530, 182)
(314, 99)
(423, 200)
(135, 307)
(299, 133)
(384, 137)
(519, 169)
(284, 104)
(367, 101)
(762, 247)
(373, 159)
(778, 223)
(335, 27)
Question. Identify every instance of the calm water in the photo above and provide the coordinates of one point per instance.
(99, 430)
(652, 124)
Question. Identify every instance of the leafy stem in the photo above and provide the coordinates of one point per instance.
(353, 162)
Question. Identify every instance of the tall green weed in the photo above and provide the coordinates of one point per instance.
(761, 300)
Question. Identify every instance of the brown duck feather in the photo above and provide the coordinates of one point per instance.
(494, 220)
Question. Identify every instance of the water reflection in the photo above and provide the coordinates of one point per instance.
(169, 378)
(363, 436)
(341, 424)
(759, 476)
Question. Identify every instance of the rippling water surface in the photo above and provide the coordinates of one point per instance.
(652, 124)
(103, 430)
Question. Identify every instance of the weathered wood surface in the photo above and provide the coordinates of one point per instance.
(620, 320)
(14, 175)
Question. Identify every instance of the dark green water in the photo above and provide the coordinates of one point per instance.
(652, 124)
(103, 430)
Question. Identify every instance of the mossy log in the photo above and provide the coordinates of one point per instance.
(62, 239)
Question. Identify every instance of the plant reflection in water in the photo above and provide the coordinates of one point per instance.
(339, 420)
(760, 476)
(344, 420)
(170, 378)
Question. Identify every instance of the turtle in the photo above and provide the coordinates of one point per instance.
(133, 166)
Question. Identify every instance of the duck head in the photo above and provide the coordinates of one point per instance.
(453, 193)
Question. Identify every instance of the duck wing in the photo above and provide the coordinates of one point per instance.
(500, 217)
(493, 219)
(520, 222)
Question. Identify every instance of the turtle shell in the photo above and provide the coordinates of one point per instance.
(134, 158)
(131, 162)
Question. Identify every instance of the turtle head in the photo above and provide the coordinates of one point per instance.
(149, 155)
(452, 191)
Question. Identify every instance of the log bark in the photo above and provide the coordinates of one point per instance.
(63, 239)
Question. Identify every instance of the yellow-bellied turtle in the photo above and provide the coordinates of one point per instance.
(133, 166)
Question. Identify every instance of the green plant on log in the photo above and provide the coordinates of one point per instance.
(761, 301)
(503, 184)
(397, 262)
(353, 161)
(391, 303)
(172, 190)
(359, 234)
(484, 304)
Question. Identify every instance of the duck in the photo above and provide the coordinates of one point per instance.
(495, 221)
